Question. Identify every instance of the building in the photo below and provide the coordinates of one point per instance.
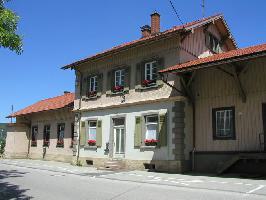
(227, 93)
(3, 130)
(126, 114)
(44, 130)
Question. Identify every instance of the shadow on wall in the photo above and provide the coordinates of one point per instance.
(11, 191)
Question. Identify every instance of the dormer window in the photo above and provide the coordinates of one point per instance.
(213, 43)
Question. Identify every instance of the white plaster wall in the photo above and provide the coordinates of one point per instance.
(163, 153)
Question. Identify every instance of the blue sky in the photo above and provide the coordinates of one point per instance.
(59, 32)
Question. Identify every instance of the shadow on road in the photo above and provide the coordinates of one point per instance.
(8, 190)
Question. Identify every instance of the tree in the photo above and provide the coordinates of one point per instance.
(8, 27)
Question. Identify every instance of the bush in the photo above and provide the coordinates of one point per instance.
(2, 146)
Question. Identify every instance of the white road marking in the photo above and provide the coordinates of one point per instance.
(150, 176)
(139, 175)
(248, 184)
(171, 178)
(255, 189)
(184, 184)
(238, 183)
(223, 182)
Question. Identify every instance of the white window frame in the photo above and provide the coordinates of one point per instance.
(149, 66)
(224, 122)
(90, 128)
(93, 84)
(147, 123)
(120, 77)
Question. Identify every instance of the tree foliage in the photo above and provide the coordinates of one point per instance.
(8, 27)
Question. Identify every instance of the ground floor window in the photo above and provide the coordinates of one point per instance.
(60, 135)
(223, 122)
(34, 133)
(151, 126)
(46, 135)
(91, 133)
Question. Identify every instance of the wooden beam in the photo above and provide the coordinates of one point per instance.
(187, 89)
(239, 85)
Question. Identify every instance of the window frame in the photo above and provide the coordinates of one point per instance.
(46, 135)
(211, 40)
(119, 77)
(151, 74)
(233, 134)
(88, 132)
(58, 144)
(34, 142)
(151, 123)
(95, 84)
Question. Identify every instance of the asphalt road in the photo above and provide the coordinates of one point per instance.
(22, 179)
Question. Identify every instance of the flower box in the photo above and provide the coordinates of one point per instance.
(151, 142)
(46, 143)
(92, 93)
(118, 88)
(147, 83)
(34, 143)
(92, 142)
(60, 143)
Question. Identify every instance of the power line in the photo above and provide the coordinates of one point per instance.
(178, 17)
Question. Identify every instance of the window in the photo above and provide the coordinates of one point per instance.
(46, 135)
(223, 123)
(93, 84)
(150, 73)
(34, 136)
(91, 134)
(213, 43)
(120, 77)
(151, 135)
(72, 134)
(60, 135)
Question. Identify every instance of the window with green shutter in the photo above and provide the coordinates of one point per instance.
(82, 133)
(118, 81)
(147, 73)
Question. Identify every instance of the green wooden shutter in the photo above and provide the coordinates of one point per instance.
(163, 129)
(84, 86)
(82, 134)
(99, 133)
(138, 132)
(160, 66)
(140, 75)
(108, 83)
(100, 84)
(127, 79)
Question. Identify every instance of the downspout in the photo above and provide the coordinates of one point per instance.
(79, 112)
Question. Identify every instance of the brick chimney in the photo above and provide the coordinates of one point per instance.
(155, 23)
(146, 31)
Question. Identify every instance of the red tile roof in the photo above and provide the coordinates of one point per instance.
(239, 53)
(47, 104)
(180, 28)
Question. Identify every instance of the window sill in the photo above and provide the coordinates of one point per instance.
(158, 84)
(125, 91)
(148, 148)
(87, 147)
(60, 146)
(91, 98)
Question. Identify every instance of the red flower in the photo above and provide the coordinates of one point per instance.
(92, 93)
(147, 82)
(91, 141)
(118, 88)
(150, 141)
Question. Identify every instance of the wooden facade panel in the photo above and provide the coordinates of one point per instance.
(213, 89)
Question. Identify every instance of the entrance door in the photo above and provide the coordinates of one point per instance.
(119, 138)
(264, 123)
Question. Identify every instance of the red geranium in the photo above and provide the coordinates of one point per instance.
(92, 93)
(118, 88)
(151, 141)
(91, 142)
(148, 82)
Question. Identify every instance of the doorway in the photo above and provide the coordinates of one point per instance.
(119, 137)
(264, 125)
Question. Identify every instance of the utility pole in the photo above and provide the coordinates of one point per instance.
(12, 110)
(203, 8)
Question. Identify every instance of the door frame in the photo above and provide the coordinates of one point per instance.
(118, 155)
(111, 136)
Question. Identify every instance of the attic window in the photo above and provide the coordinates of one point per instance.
(212, 43)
